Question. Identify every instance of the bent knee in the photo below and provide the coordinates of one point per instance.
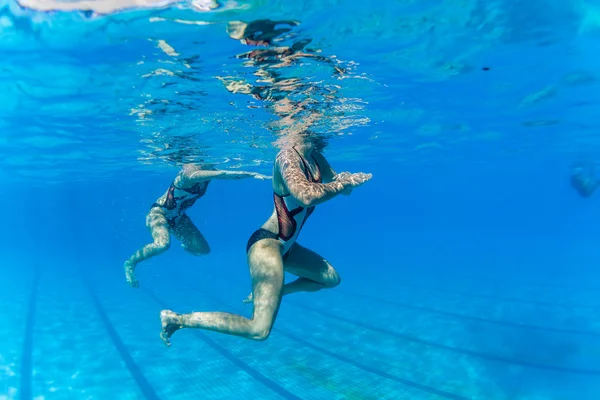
(204, 249)
(197, 250)
(260, 334)
(162, 244)
(260, 330)
(333, 280)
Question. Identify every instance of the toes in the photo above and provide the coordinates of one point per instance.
(164, 334)
(164, 337)
(168, 327)
(133, 283)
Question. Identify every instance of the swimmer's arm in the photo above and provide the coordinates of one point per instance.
(306, 193)
(207, 175)
(327, 171)
(329, 174)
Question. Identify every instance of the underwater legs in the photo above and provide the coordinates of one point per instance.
(314, 272)
(266, 271)
(159, 228)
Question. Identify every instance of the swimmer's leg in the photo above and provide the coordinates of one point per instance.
(314, 272)
(159, 228)
(191, 238)
(266, 271)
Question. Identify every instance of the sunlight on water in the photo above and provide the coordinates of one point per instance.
(107, 85)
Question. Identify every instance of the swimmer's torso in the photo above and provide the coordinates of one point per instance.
(289, 215)
(179, 198)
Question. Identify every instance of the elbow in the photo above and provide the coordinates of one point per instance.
(307, 201)
(310, 196)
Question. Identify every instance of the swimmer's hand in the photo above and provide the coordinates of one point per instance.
(351, 181)
(341, 176)
(261, 176)
(244, 175)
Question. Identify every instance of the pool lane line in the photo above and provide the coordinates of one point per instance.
(26, 389)
(469, 317)
(458, 350)
(135, 371)
(274, 386)
(375, 371)
(494, 297)
(473, 318)
(574, 286)
(346, 360)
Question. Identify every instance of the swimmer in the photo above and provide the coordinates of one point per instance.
(261, 32)
(583, 181)
(167, 216)
(264, 33)
(302, 179)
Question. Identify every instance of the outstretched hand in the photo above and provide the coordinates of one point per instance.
(262, 177)
(341, 176)
(359, 179)
(351, 181)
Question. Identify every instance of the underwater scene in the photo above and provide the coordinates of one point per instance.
(334, 199)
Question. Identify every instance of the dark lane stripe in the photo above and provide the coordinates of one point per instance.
(346, 360)
(463, 293)
(375, 371)
(472, 318)
(485, 356)
(26, 392)
(231, 357)
(133, 368)
(514, 282)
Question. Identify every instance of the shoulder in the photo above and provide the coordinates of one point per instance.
(180, 179)
(189, 176)
(286, 158)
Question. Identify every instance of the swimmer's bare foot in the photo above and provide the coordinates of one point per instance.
(248, 299)
(130, 275)
(170, 323)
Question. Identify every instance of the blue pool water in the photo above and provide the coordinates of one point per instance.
(469, 265)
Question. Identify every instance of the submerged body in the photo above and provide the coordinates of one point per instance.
(584, 182)
(168, 215)
(302, 179)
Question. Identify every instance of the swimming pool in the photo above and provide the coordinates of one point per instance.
(468, 263)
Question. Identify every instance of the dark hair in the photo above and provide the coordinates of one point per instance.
(318, 141)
